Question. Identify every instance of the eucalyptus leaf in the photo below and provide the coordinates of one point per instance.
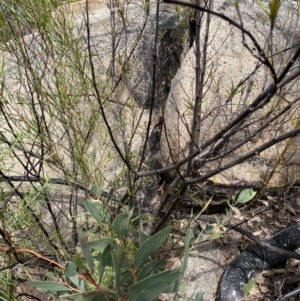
(101, 244)
(247, 287)
(78, 282)
(199, 296)
(215, 235)
(105, 260)
(70, 269)
(77, 260)
(150, 268)
(126, 278)
(48, 286)
(245, 196)
(95, 295)
(142, 237)
(151, 287)
(95, 208)
(121, 225)
(86, 250)
(96, 190)
(187, 243)
(117, 258)
(178, 286)
(150, 246)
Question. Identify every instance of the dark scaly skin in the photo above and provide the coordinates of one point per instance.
(254, 260)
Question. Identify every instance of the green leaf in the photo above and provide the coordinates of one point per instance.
(149, 288)
(78, 282)
(178, 286)
(142, 237)
(274, 7)
(96, 190)
(193, 253)
(105, 260)
(262, 6)
(121, 224)
(247, 287)
(119, 254)
(150, 268)
(91, 296)
(95, 208)
(49, 286)
(187, 243)
(215, 235)
(105, 296)
(117, 258)
(50, 275)
(126, 278)
(70, 269)
(78, 262)
(150, 246)
(245, 196)
(199, 296)
(86, 250)
(101, 244)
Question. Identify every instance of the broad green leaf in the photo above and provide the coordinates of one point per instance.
(110, 194)
(187, 243)
(119, 254)
(77, 260)
(48, 286)
(150, 268)
(78, 282)
(50, 275)
(245, 196)
(199, 296)
(96, 190)
(178, 286)
(105, 260)
(105, 296)
(151, 287)
(142, 237)
(101, 244)
(130, 213)
(117, 258)
(95, 208)
(70, 269)
(95, 295)
(86, 250)
(215, 235)
(126, 278)
(121, 224)
(150, 246)
(247, 287)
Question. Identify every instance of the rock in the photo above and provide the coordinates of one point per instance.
(202, 274)
(229, 63)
